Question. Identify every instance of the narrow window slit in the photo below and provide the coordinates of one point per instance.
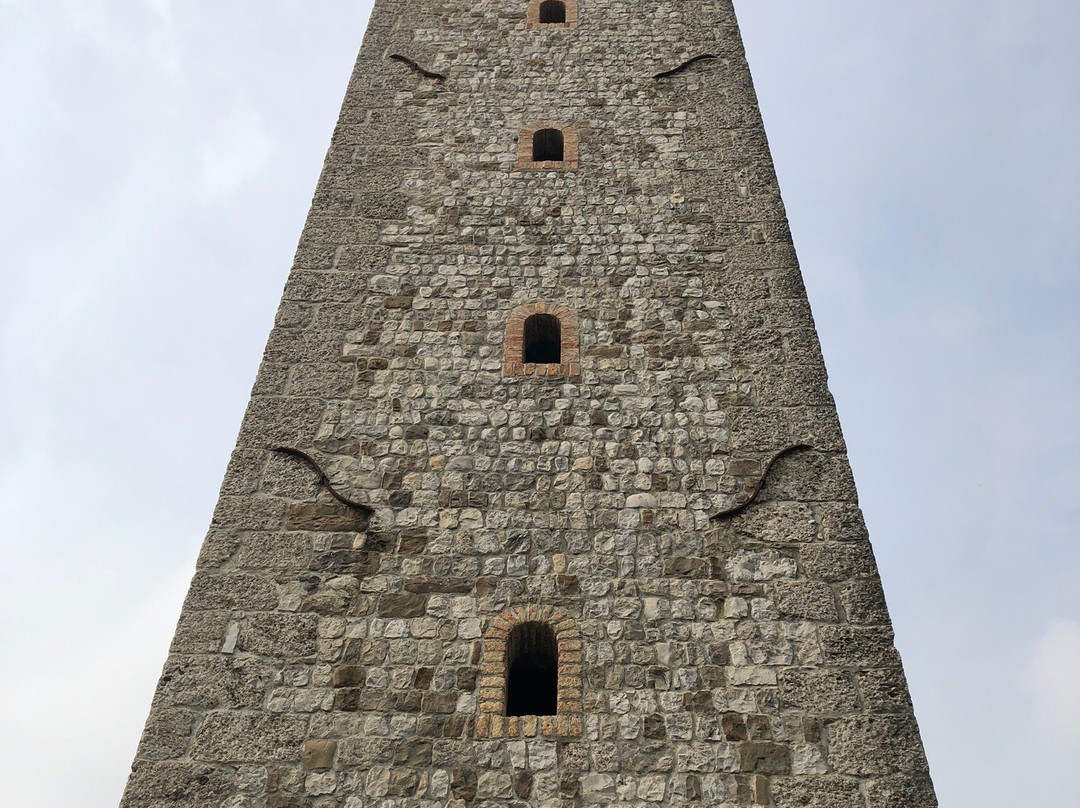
(542, 340)
(552, 11)
(547, 145)
(532, 677)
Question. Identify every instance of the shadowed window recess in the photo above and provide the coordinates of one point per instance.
(547, 146)
(542, 340)
(552, 11)
(532, 676)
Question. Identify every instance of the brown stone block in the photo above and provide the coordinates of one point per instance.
(349, 676)
(318, 755)
(734, 727)
(439, 702)
(413, 753)
(460, 586)
(402, 605)
(326, 518)
(763, 757)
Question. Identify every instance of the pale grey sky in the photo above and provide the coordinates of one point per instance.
(156, 162)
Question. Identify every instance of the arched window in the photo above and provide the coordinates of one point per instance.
(547, 146)
(551, 14)
(532, 670)
(552, 11)
(542, 340)
(531, 676)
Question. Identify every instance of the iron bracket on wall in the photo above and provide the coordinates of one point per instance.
(760, 483)
(684, 65)
(323, 479)
(405, 60)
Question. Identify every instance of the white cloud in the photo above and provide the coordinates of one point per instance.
(1053, 677)
(236, 155)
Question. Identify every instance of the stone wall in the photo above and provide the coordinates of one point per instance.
(326, 657)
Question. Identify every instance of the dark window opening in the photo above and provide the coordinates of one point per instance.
(552, 11)
(547, 145)
(532, 676)
(542, 340)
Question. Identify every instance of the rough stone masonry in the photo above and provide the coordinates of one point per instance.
(331, 655)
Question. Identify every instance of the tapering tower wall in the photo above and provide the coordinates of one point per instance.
(356, 654)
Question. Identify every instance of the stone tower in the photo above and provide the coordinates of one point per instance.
(510, 520)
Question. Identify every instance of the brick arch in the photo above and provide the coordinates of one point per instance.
(570, 147)
(532, 15)
(514, 340)
(492, 721)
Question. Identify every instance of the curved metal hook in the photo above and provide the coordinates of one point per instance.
(405, 60)
(323, 479)
(684, 65)
(760, 483)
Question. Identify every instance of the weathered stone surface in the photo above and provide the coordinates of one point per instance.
(237, 737)
(327, 658)
(808, 600)
(319, 754)
(210, 591)
(326, 517)
(875, 745)
(849, 646)
(864, 602)
(900, 791)
(884, 691)
(167, 734)
(818, 691)
(186, 785)
(212, 682)
(817, 792)
(838, 562)
(288, 636)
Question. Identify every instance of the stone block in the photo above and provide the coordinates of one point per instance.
(282, 636)
(837, 562)
(233, 737)
(856, 647)
(763, 757)
(326, 517)
(318, 754)
(864, 602)
(818, 691)
(901, 791)
(806, 600)
(184, 785)
(816, 791)
(875, 745)
(402, 605)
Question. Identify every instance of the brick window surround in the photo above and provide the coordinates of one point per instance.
(492, 721)
(532, 15)
(514, 342)
(570, 147)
